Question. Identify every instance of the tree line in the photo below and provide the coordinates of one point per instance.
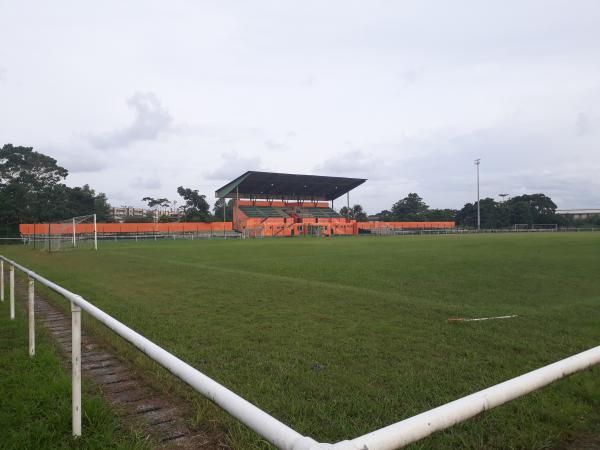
(526, 209)
(32, 190)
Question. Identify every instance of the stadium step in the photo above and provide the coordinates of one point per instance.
(160, 417)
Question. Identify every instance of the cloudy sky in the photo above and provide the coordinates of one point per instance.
(139, 97)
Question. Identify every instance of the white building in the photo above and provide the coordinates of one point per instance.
(579, 214)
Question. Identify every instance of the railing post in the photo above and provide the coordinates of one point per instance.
(31, 315)
(12, 292)
(76, 367)
(2, 281)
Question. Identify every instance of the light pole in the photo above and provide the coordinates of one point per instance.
(477, 161)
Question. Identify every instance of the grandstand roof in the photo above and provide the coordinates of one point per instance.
(288, 186)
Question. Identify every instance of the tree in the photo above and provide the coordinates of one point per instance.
(493, 214)
(441, 215)
(384, 216)
(531, 209)
(218, 210)
(196, 208)
(410, 208)
(355, 213)
(156, 202)
(29, 186)
(165, 218)
(31, 191)
(23, 166)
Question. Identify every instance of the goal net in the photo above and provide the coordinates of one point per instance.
(254, 232)
(383, 231)
(59, 235)
(545, 226)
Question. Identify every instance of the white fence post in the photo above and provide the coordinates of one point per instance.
(31, 315)
(76, 367)
(12, 292)
(1, 280)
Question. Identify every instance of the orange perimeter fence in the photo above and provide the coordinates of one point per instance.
(406, 225)
(85, 228)
(341, 226)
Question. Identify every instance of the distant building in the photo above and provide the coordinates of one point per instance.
(119, 214)
(579, 214)
(123, 212)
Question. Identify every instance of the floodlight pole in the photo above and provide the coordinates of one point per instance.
(348, 206)
(95, 234)
(477, 161)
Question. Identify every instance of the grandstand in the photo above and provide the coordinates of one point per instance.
(280, 204)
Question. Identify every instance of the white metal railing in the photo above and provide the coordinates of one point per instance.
(282, 436)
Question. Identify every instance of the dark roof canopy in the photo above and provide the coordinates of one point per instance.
(288, 186)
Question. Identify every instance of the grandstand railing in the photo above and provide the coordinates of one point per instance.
(277, 433)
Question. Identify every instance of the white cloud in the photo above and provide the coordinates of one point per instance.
(233, 165)
(276, 145)
(151, 120)
(146, 183)
(582, 124)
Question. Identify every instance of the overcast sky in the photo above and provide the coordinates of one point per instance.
(139, 97)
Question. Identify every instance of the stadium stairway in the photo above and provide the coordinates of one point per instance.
(160, 417)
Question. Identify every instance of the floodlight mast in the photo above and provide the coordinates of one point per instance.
(477, 161)
(95, 234)
(348, 206)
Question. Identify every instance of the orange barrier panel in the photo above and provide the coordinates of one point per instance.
(270, 226)
(406, 225)
(83, 228)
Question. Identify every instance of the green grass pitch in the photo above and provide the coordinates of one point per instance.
(338, 337)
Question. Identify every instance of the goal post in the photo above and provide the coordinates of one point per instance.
(545, 226)
(74, 232)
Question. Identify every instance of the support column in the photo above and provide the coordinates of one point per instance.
(76, 368)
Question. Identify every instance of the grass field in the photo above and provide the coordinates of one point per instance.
(339, 337)
(35, 398)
